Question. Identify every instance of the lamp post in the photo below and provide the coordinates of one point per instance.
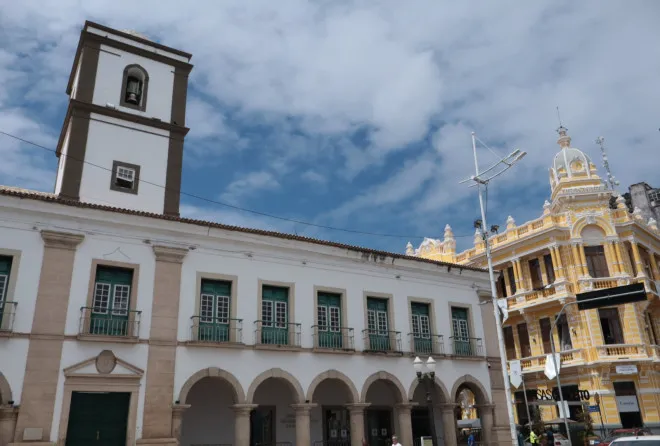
(428, 377)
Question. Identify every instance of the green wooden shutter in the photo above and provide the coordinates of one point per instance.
(275, 315)
(5, 272)
(214, 311)
(421, 328)
(329, 320)
(378, 324)
(461, 329)
(111, 304)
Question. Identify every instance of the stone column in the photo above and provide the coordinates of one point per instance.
(159, 391)
(357, 422)
(559, 266)
(242, 423)
(177, 418)
(577, 261)
(638, 260)
(486, 417)
(583, 260)
(611, 256)
(303, 434)
(619, 257)
(43, 368)
(405, 423)
(517, 274)
(8, 415)
(449, 423)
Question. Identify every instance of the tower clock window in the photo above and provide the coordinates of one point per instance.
(125, 177)
(134, 88)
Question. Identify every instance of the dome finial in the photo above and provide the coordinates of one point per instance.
(564, 140)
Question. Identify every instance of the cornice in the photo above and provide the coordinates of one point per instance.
(169, 254)
(61, 240)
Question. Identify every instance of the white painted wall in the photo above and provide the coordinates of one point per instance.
(108, 141)
(110, 73)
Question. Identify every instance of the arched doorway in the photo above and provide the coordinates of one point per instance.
(332, 391)
(425, 410)
(274, 420)
(473, 412)
(383, 391)
(211, 393)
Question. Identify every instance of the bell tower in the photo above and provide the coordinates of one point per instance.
(121, 143)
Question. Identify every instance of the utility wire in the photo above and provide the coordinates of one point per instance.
(238, 208)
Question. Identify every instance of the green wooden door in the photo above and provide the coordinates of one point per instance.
(378, 324)
(5, 270)
(98, 419)
(275, 315)
(214, 303)
(421, 327)
(461, 328)
(112, 294)
(329, 320)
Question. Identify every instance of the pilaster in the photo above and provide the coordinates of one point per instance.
(177, 418)
(356, 411)
(303, 434)
(242, 423)
(403, 411)
(639, 265)
(449, 423)
(487, 422)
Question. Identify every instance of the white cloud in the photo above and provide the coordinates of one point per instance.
(314, 177)
(249, 184)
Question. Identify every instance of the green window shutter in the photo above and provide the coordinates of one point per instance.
(5, 264)
(275, 293)
(460, 322)
(274, 315)
(122, 276)
(421, 321)
(329, 320)
(216, 287)
(111, 304)
(5, 270)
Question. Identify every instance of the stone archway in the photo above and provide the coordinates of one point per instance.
(5, 391)
(440, 389)
(472, 402)
(392, 381)
(334, 375)
(277, 373)
(474, 385)
(212, 372)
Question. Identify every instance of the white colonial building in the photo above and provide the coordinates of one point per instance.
(122, 323)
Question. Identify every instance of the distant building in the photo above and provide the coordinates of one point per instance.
(587, 238)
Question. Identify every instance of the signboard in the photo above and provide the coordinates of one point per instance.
(626, 369)
(611, 296)
(594, 409)
(515, 373)
(564, 412)
(427, 441)
(627, 403)
(550, 367)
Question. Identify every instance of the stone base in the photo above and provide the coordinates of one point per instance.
(158, 441)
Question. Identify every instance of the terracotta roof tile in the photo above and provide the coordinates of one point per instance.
(52, 198)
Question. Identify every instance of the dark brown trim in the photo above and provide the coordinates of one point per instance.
(89, 63)
(136, 180)
(179, 96)
(100, 27)
(75, 156)
(173, 177)
(377, 256)
(142, 106)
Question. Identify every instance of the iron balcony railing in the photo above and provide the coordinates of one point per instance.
(337, 338)
(466, 346)
(426, 344)
(215, 330)
(277, 333)
(104, 322)
(7, 315)
(381, 341)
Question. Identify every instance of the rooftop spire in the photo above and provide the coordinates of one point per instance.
(613, 182)
(564, 140)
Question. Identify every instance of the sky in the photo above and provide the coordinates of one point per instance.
(358, 115)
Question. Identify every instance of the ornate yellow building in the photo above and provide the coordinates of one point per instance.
(585, 239)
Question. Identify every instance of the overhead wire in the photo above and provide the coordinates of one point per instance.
(228, 205)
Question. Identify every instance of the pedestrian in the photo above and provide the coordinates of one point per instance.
(550, 436)
(471, 439)
(521, 438)
(533, 438)
(395, 441)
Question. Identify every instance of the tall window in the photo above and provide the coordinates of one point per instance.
(274, 315)
(110, 307)
(650, 326)
(135, 85)
(509, 343)
(329, 320)
(610, 323)
(421, 327)
(523, 335)
(564, 334)
(501, 286)
(596, 261)
(512, 279)
(5, 271)
(535, 272)
(214, 310)
(378, 324)
(463, 345)
(549, 268)
(545, 334)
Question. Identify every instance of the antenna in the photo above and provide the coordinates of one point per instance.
(613, 182)
(559, 118)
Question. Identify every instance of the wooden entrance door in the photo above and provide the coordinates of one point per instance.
(262, 426)
(98, 419)
(379, 427)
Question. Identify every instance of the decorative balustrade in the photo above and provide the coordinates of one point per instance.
(97, 321)
(215, 330)
(333, 338)
(381, 341)
(7, 315)
(619, 351)
(461, 346)
(277, 333)
(536, 363)
(426, 344)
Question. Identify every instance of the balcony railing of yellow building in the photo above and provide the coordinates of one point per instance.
(215, 330)
(333, 338)
(7, 314)
(620, 351)
(98, 321)
(426, 344)
(537, 363)
(461, 346)
(381, 341)
(531, 297)
(654, 351)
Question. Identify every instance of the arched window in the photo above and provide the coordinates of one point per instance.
(134, 88)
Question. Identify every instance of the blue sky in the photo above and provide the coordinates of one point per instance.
(357, 114)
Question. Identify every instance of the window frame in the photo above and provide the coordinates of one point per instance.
(10, 286)
(233, 303)
(142, 106)
(291, 299)
(116, 165)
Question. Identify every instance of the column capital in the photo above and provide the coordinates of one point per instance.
(243, 409)
(8, 412)
(61, 240)
(178, 409)
(447, 407)
(169, 254)
(403, 407)
(303, 408)
(357, 407)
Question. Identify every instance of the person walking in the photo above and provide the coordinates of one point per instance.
(471, 439)
(550, 436)
(395, 441)
(521, 438)
(533, 438)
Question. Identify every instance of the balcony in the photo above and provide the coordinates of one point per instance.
(211, 330)
(426, 344)
(614, 352)
(537, 363)
(120, 324)
(466, 347)
(333, 338)
(546, 295)
(7, 315)
(277, 334)
(377, 341)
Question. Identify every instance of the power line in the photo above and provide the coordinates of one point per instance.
(231, 206)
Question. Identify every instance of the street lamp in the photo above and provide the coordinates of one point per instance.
(428, 378)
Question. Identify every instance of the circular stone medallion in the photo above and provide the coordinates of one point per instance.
(105, 362)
